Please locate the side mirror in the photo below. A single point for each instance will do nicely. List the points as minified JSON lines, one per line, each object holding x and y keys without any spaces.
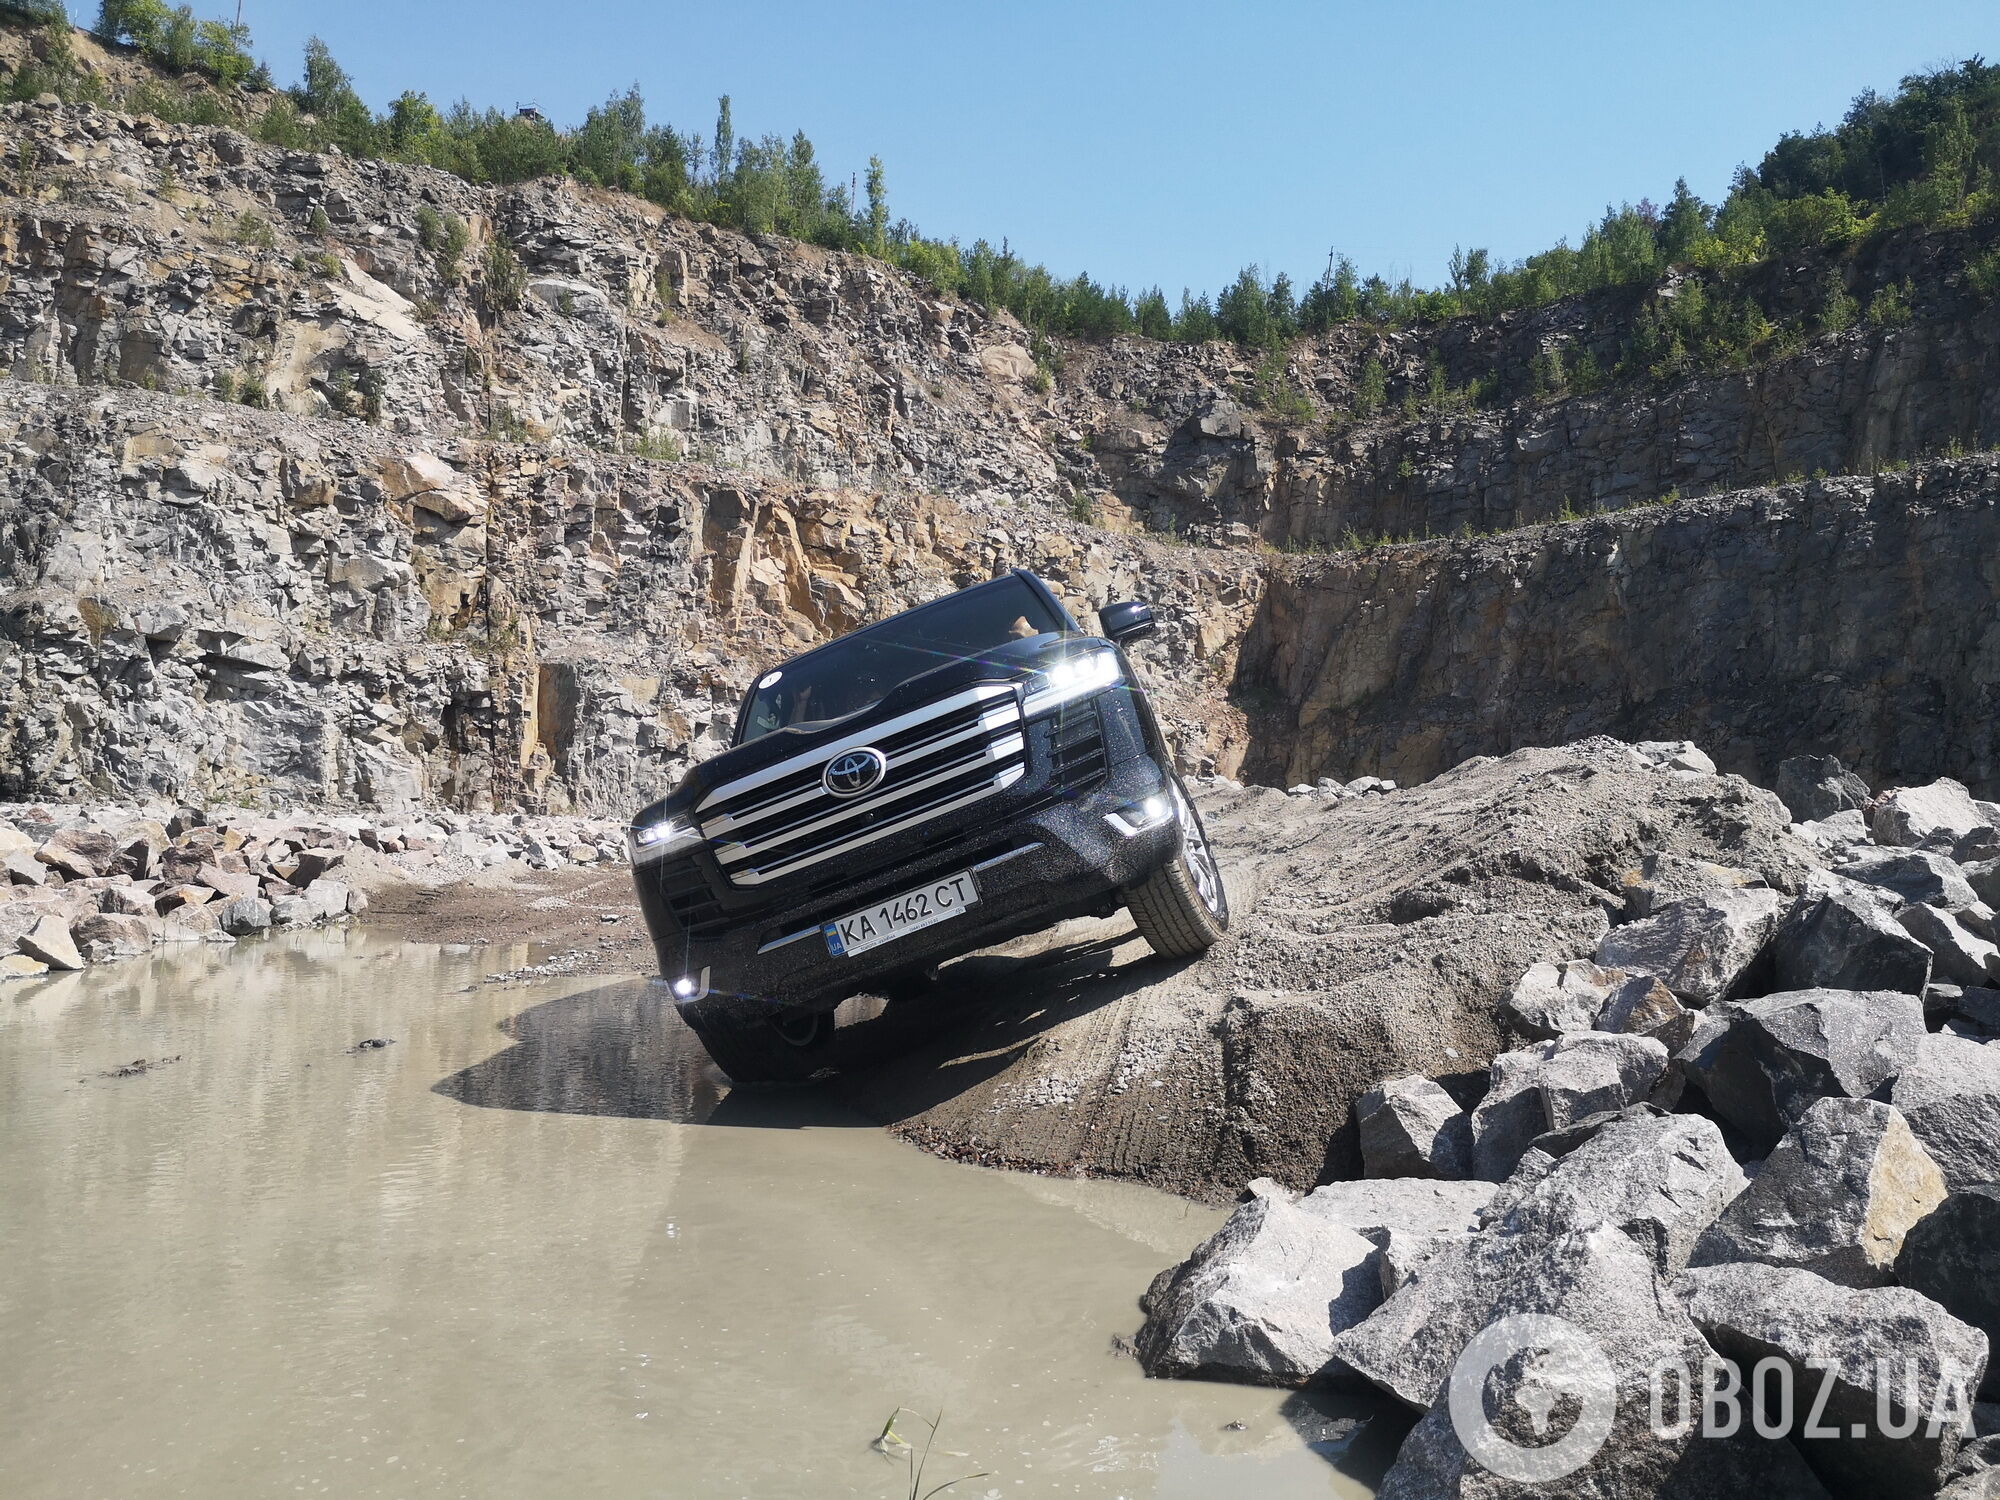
{"x":1126,"y":622}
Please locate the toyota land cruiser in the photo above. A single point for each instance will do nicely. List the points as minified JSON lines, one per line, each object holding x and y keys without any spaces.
{"x":971,"y":770}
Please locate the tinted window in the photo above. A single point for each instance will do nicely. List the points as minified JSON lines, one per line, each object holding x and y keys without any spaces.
{"x":858,"y":671}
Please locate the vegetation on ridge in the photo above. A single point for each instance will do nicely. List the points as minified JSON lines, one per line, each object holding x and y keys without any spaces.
{"x":1925,"y":158}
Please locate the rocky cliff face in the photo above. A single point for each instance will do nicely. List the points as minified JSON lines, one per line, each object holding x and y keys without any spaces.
{"x":304,"y":501}
{"x":207,"y":602}
{"x":1851,"y":616}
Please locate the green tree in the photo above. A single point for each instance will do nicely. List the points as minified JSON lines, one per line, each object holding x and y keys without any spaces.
{"x":724,"y":153}
{"x":878,"y":206}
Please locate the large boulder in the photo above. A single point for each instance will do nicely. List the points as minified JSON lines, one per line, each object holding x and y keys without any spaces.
{"x":1837,"y":837}
{"x":1952,"y":1256}
{"x":1912,"y":875}
{"x":1957,"y":955}
{"x":106,"y":935}
{"x":1410,"y":1127}
{"x":49,"y":942}
{"x":1763,"y":1063}
{"x":1658,"y":1181}
{"x":1700,"y":947}
{"x":1261,"y":1299}
{"x":1554,"y":998}
{"x":1836,"y":1196}
{"x":1373,"y":1207}
{"x":1642,"y":1006}
{"x":1942,"y":817}
{"x":128,"y":901}
{"x":1950,"y":1094}
{"x":1552,"y":1389}
{"x":1552,"y":1084}
{"x":245,"y":916}
{"x":1865,"y":1344}
{"x":1984,"y":878}
{"x":1662,"y":1179}
{"x":1662,"y":879}
{"x":139,"y":845}
{"x":1818,"y":786}
{"x":1840,"y":937}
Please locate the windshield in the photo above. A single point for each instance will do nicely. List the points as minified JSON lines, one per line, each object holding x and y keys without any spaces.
{"x":858,"y":671}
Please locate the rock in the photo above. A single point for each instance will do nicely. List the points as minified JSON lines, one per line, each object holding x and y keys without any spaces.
{"x":127,"y":901}
{"x":1952,"y":1256}
{"x":1969,"y":1010}
{"x":139,"y":845}
{"x":1958,"y":957}
{"x":103,"y":935}
{"x":1938,"y":817}
{"x":1555,"y":1083}
{"x":1839,"y":835}
{"x":1984,"y":878}
{"x":1912,"y":875}
{"x":1841,"y":940}
{"x":1700,"y":947}
{"x":327,"y":898}
{"x":1763,"y":1063}
{"x":1858,"y":1341}
{"x":245,"y":915}
{"x":1260,"y":1299}
{"x":1410,"y":1127}
{"x":1552,"y":999}
{"x":20,"y":966}
{"x":1674,"y":755}
{"x":228,"y":884}
{"x":1819,"y":786}
{"x":1661,"y":1179}
{"x":175,"y":896}
{"x":71,"y":864}
{"x":357,"y":901}
{"x":292,"y":911}
{"x":49,"y":941}
{"x":314,"y":863}
{"x":1663,"y":879}
{"x":1609,"y":1321}
{"x":1406,"y":1347}
{"x":1950,"y":1094}
{"x":1642,"y":1006}
{"x":1372,"y":1207}
{"x":22,"y":868}
{"x":1835,"y":1197}
{"x":194,"y":924}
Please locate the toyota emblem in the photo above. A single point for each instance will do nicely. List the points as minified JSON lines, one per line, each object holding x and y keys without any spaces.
{"x":853,"y":772}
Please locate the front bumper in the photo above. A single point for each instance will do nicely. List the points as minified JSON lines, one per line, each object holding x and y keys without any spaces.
{"x":1032,"y":871}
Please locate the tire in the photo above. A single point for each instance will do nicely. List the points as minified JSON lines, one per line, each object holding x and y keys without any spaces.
{"x":787,"y":1050}
{"x":1182,"y":908}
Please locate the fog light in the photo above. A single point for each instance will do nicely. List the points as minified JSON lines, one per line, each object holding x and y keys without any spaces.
{"x":1137,"y":817}
{"x":685,"y":987}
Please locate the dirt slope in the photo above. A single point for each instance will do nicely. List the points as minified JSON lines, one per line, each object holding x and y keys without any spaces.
{"x":1374,"y":937}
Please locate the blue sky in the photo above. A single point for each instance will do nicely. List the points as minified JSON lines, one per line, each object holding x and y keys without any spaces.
{"x":1168,"y":142}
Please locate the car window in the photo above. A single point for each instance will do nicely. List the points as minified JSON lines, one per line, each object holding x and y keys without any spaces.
{"x":859,"y":670}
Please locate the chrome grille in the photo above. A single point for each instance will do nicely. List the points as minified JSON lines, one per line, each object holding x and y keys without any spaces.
{"x":941,"y":757}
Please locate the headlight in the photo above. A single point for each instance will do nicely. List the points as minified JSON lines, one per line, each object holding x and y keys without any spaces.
{"x":1072,"y":678}
{"x":655,"y":840}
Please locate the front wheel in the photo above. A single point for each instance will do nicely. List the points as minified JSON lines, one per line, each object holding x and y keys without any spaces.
{"x":1181,"y":909}
{"x":788,"y":1048}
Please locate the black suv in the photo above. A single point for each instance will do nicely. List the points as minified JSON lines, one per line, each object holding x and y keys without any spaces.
{"x":957,"y":775}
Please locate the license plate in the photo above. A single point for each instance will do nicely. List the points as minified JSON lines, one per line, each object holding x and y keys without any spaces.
{"x":926,"y":906}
